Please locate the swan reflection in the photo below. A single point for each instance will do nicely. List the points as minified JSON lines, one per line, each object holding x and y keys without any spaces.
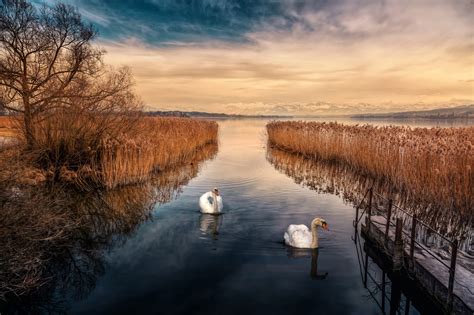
{"x":297,"y":253}
{"x":210,"y":224}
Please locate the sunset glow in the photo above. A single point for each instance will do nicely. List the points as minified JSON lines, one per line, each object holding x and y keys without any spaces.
{"x":292,"y":57}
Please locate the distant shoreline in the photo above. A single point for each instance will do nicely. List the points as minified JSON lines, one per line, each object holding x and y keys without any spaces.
{"x":331,"y":117}
{"x":194,"y":114}
{"x":458,"y":112}
{"x":449,"y":113}
{"x":394,"y":117}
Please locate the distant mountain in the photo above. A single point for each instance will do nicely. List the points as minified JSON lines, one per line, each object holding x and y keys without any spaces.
{"x":464,"y":111}
{"x":208,"y":115}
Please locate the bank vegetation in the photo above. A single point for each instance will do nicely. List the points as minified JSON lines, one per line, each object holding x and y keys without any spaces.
{"x":430,"y":167}
{"x":75,"y":132}
{"x":76,"y":119}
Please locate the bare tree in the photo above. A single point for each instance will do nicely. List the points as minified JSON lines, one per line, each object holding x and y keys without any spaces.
{"x":47,"y":62}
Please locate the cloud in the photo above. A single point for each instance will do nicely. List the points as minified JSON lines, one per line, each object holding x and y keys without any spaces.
{"x":293,"y":55}
{"x":95,"y":18}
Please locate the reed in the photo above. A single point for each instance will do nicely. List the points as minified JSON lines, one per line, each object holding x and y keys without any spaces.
{"x":433,"y":167}
{"x":159,"y":144}
{"x":109,"y":151}
{"x":8,"y":126}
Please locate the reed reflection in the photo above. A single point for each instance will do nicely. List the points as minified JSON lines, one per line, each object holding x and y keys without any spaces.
{"x":69,"y":233}
{"x":324,"y":178}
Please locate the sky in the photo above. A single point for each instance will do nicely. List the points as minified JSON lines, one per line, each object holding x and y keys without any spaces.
{"x":314,"y":57}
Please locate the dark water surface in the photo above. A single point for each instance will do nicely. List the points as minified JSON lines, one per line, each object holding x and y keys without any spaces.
{"x":186,"y":262}
{"x":146,"y":249}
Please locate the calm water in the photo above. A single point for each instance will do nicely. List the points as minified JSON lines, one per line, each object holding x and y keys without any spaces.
{"x":183,"y":261}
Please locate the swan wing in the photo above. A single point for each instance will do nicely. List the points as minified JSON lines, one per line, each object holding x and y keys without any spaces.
{"x":204,"y":203}
{"x":298,"y":235}
{"x":208,"y":206}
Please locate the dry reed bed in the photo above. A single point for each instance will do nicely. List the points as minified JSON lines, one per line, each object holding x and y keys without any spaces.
{"x":433,"y":167}
{"x":8,"y":126}
{"x":87,"y":150}
{"x":160,"y":143}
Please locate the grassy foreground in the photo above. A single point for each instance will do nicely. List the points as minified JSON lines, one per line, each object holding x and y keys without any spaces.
{"x":433,"y":166}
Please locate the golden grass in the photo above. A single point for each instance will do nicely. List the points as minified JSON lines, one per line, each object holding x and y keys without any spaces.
{"x":432,"y":166}
{"x":8,"y":126}
{"x":115,"y":150}
{"x":160,"y":143}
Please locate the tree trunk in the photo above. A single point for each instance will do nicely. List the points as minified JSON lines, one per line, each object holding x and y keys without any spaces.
{"x":28,"y":123}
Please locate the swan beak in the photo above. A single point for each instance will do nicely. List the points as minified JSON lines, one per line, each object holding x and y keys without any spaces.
{"x":326,"y":227}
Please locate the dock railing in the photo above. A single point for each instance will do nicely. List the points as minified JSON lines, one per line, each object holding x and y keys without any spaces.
{"x":409,"y":233}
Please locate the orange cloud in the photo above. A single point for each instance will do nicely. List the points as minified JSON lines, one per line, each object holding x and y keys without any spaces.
{"x":393,"y":54}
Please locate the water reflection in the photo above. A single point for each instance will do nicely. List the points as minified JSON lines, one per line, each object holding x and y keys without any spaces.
{"x":390,"y":291}
{"x":334,"y":178}
{"x":165,"y":267}
{"x":321,"y":177}
{"x":210,"y":224}
{"x":296,"y":253}
{"x":72,"y":258}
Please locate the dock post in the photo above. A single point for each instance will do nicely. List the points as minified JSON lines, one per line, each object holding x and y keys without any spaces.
{"x":389,"y":215}
{"x":407,"y":307}
{"x":383,"y":292}
{"x":395,"y":296}
{"x":357,"y":217}
{"x":369,"y":209}
{"x":398,"y":248}
{"x":355,"y":224}
{"x":412,"y":242}
{"x":452,"y":270}
{"x":366,"y":269}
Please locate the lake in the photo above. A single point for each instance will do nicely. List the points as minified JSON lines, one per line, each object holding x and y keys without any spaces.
{"x":178,"y":260}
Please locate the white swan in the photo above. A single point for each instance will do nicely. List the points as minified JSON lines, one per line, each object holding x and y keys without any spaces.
{"x":214,"y":207}
{"x":299,"y":236}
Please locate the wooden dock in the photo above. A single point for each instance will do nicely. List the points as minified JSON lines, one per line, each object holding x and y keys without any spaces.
{"x":447,"y":280}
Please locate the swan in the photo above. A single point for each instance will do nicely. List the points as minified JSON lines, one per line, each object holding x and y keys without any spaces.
{"x":214,"y":207}
{"x":299,"y":236}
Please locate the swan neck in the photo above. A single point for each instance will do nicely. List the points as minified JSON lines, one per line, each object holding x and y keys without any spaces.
{"x":314,"y":239}
{"x":214,"y":203}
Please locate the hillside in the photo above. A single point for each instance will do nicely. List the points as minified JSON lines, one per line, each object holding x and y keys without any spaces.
{"x":464,"y":111}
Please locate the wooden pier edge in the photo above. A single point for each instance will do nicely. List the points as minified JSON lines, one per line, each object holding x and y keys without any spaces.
{"x":403,"y":262}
